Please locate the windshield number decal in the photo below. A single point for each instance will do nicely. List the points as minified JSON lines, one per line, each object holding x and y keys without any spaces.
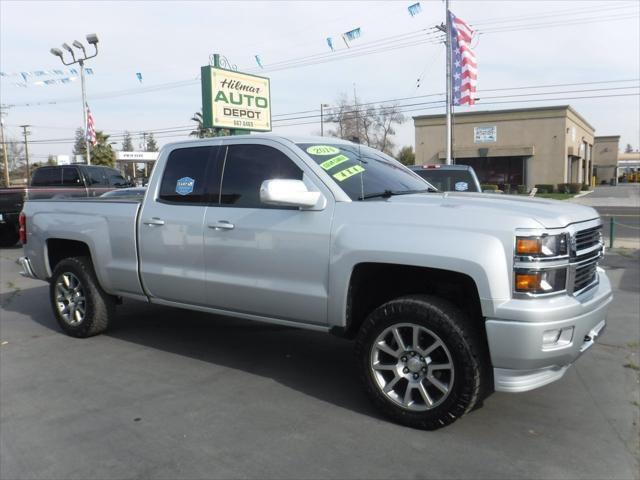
{"x":184,"y":185}
{"x":461,"y":186}
{"x":322,"y":150}
{"x":348,"y":172}
{"x":332,"y":162}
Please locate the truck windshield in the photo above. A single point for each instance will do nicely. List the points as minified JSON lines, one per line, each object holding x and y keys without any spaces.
{"x":363,"y":172}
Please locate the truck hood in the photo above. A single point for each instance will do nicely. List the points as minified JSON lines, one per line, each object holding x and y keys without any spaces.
{"x":548,"y":213}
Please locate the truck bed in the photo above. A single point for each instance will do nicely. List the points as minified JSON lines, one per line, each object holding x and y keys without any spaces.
{"x":106,"y":225}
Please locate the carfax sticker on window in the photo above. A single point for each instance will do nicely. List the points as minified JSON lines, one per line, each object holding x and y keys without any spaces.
{"x":184,"y":185}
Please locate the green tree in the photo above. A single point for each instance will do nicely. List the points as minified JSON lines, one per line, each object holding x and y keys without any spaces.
{"x":51,"y":160}
{"x":202,"y":132}
{"x":151,"y":146}
{"x":406,"y":156}
{"x":102,"y":153}
{"x":628,"y":148}
{"x":80,"y":144}
{"x":127,"y":143}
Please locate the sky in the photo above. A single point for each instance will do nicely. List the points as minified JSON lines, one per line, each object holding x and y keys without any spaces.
{"x":519,"y":44}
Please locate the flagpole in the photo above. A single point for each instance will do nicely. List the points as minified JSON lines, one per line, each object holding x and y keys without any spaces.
{"x":449,"y":102}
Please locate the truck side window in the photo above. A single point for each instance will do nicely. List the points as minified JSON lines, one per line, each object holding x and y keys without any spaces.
{"x":185,"y":176}
{"x":70,"y":177}
{"x":246,"y":167}
{"x":47,"y":177}
{"x":96,"y":177}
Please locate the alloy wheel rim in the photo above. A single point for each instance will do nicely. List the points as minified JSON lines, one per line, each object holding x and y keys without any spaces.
{"x":412,"y":366}
{"x":70,"y":299}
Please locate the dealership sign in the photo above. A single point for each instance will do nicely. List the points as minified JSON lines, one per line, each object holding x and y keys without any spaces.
{"x":235,"y":100}
{"x":485,"y":134}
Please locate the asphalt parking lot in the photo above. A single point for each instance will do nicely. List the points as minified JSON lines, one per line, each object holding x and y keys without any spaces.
{"x":176,"y":394}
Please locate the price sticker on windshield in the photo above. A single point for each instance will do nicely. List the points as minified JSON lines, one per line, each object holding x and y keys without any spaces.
{"x":348,"y":172}
{"x":323,"y":150}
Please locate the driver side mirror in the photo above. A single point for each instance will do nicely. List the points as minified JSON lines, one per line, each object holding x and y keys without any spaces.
{"x":289,"y":193}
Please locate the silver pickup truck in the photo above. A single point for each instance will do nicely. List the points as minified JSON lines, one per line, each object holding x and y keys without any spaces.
{"x":449,"y":296}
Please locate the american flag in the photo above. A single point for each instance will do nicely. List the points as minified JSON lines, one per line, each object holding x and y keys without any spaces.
{"x":91,"y":128}
{"x":464,"y":69}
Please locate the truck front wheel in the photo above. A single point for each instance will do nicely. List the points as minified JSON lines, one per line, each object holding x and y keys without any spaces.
{"x":420,"y":361}
{"x":80,"y":305}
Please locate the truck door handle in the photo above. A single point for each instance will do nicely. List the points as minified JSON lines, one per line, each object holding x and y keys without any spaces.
{"x":155,"y":221}
{"x":222,"y":225}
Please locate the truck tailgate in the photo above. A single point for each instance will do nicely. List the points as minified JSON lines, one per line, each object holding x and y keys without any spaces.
{"x":106,"y":226}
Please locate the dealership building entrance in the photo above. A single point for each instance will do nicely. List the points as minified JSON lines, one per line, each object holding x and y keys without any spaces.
{"x":546,"y":145}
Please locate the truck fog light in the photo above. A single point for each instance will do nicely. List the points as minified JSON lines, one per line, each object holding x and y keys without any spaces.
{"x":558,"y":337}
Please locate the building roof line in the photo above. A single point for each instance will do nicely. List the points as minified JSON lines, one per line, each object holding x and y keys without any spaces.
{"x":510,"y":110}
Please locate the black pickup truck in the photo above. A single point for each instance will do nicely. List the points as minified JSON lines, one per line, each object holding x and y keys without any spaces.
{"x":62,"y":181}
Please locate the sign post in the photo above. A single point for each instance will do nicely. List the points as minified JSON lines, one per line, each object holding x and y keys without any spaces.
{"x":235,"y":100}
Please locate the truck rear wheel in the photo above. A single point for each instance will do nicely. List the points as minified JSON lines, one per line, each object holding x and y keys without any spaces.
{"x":420,"y":361}
{"x":80,"y":305}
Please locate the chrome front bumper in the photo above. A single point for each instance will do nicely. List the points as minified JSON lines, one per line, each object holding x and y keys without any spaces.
{"x":27,"y":270}
{"x":520,"y":358}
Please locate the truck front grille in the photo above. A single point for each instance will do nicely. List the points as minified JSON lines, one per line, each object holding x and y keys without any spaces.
{"x":586,"y":252}
{"x":585,"y":276}
{"x":588,"y":238}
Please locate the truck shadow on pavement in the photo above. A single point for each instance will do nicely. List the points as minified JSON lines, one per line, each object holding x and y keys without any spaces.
{"x":313,"y":363}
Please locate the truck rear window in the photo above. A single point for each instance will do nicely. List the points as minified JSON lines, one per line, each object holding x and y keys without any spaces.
{"x":449,"y":180}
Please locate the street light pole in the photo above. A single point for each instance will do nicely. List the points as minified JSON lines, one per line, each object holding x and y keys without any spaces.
{"x":84,"y":112}
{"x":92,"y":39}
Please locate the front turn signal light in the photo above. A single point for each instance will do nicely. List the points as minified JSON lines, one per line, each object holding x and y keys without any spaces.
{"x":545,"y":281}
{"x":528,"y":245}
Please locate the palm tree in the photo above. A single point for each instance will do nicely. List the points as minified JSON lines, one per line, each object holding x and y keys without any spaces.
{"x":203,"y":132}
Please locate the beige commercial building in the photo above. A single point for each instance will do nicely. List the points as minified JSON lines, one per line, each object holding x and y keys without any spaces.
{"x":524,"y":146}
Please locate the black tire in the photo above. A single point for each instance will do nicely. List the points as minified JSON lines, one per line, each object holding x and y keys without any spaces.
{"x":98,"y":306}
{"x":8,"y":236}
{"x":463,"y":345}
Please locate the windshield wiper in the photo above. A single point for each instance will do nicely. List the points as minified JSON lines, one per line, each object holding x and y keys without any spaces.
{"x":391,"y":193}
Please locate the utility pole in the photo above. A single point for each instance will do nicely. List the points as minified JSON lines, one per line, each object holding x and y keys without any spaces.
{"x":7,"y":180}
{"x":355,"y":102}
{"x":144,"y":148}
{"x":26,"y":150}
{"x":322,"y":106}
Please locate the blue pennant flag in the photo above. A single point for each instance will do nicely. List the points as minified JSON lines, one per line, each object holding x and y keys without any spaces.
{"x":414,"y":9}
{"x":88,"y":71}
{"x":352,"y":34}
{"x":139,"y":75}
{"x":330,"y":43}
{"x":258,"y":61}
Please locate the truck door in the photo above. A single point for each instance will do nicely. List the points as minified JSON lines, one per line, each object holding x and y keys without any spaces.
{"x":172,"y":264}
{"x":260,"y":259}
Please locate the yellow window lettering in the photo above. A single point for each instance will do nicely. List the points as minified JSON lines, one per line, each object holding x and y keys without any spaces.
{"x":332,"y":162}
{"x":348,"y":172}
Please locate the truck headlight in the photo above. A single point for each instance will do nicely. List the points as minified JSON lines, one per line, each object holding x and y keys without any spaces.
{"x":541,"y":281}
{"x":543,"y":245}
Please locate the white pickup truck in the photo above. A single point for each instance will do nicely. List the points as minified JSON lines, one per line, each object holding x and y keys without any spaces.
{"x":449,"y":296}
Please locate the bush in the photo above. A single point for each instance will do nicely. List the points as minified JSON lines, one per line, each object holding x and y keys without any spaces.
{"x":522,"y":189}
{"x":575,"y":187}
{"x":586,"y":187}
{"x":507,"y":188}
{"x":548,"y":188}
{"x":489,"y":187}
{"x":563,"y":188}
